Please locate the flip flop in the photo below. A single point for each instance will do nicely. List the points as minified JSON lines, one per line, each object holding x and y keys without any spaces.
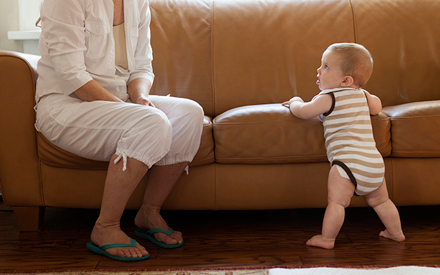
{"x":101,"y":250}
{"x":148,"y":234}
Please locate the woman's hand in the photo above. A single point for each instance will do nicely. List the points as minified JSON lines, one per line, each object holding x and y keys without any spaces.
{"x":138,"y":90}
{"x":143,"y":100}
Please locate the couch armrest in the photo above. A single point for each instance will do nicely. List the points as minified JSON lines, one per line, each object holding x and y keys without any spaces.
{"x":415,"y":129}
{"x":19,"y":163}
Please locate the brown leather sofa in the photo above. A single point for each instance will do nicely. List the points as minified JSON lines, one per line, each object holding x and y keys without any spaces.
{"x":240,"y":59}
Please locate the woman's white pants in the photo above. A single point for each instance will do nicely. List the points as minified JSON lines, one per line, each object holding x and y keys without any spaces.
{"x":167,"y":134}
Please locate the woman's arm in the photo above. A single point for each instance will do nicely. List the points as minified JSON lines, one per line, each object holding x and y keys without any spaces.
{"x":143,"y":52}
{"x":138,"y":90}
{"x":141,"y":79}
{"x":62,"y":32}
{"x":93,"y":91}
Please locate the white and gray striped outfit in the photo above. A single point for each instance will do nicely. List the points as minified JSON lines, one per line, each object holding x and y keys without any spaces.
{"x":349,"y":139}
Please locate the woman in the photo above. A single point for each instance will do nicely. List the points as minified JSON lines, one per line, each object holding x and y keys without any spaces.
{"x":95,"y":74}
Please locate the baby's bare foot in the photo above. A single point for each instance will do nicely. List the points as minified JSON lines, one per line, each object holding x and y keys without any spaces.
{"x":399,"y":237}
{"x":320,"y":241}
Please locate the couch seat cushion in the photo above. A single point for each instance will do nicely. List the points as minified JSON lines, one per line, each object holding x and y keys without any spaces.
{"x":269,"y":133}
{"x":415,"y":129}
{"x":57,"y":157}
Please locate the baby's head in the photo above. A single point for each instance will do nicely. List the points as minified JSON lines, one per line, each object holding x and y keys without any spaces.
{"x":350,"y":65}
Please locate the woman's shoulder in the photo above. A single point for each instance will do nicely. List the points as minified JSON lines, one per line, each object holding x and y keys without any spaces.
{"x":142,"y":3}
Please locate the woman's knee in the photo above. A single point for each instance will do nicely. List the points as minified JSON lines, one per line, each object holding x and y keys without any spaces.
{"x":196,"y":118}
{"x":193,"y":110}
{"x":187,"y":116}
{"x":154,"y":125}
{"x":160,"y":121}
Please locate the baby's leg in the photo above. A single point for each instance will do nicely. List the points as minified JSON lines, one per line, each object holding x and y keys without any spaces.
{"x":387,"y":212}
{"x":340,"y":191}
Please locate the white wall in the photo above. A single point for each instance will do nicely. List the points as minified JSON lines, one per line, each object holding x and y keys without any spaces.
{"x":9,"y":21}
{"x":17,"y":25}
{"x":29,"y":13}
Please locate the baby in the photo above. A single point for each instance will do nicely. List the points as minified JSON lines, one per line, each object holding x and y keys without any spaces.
{"x":357,"y":167}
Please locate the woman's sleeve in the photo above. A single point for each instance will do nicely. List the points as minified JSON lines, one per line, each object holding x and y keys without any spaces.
{"x":62,"y":24}
{"x":144,"y":53}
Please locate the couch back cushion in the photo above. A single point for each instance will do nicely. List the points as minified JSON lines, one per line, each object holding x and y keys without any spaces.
{"x":233,"y":53}
{"x":403,"y":37}
{"x":181,"y":42}
{"x":268,"y":51}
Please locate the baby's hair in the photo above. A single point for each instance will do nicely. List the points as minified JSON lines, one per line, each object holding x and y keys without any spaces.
{"x":357,"y":61}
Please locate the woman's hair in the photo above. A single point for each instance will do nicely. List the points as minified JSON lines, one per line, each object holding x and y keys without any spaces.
{"x":356,"y":61}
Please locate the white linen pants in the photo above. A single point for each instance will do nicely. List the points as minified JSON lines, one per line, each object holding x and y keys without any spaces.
{"x":167,"y":134}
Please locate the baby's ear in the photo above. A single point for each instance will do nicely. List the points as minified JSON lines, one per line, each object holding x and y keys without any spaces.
{"x":347,"y":81}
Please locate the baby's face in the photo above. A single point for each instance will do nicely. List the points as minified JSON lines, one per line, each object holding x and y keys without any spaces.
{"x":330,"y":73}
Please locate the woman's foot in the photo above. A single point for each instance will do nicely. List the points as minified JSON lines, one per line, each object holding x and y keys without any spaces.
{"x":399,"y":237}
{"x":112,"y":234}
{"x":320,"y":241}
{"x":151,"y":219}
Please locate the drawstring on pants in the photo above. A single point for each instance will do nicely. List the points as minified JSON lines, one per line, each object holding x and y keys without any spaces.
{"x":124,"y":161}
{"x":123,"y":156}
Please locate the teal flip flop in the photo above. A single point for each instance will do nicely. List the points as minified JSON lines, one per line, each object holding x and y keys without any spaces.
{"x":148,"y":234}
{"x":101,"y":250}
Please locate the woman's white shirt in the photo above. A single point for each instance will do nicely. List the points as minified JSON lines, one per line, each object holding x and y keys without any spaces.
{"x":77,"y":45}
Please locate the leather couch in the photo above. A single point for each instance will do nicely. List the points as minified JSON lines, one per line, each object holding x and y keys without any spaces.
{"x":240,"y":59}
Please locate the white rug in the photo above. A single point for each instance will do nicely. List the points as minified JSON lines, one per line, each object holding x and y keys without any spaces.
{"x":401,"y":270}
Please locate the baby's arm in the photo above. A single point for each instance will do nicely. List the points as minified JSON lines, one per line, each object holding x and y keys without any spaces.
{"x":307,"y":110}
{"x":374,"y":103}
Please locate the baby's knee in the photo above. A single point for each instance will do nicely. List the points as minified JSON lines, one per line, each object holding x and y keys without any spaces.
{"x":376,"y":201}
{"x":339,"y":199}
{"x":378,"y":196}
{"x":343,"y":203}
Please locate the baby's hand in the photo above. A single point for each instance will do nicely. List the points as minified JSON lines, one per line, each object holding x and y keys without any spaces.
{"x":293,"y":99}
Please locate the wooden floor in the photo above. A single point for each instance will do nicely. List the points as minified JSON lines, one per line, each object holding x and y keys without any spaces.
{"x":226,"y":239}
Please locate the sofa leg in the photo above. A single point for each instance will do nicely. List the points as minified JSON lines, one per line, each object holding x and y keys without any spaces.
{"x":29,"y":218}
